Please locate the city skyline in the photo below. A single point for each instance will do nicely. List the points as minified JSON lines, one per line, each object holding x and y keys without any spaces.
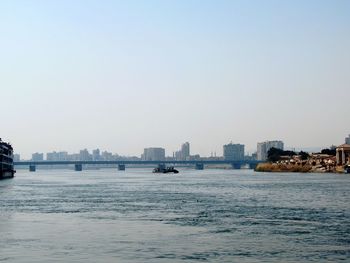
{"x":169,"y":152}
{"x":127,"y":75}
{"x":184,"y":153}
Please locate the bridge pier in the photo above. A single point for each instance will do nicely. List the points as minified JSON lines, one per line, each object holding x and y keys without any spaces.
{"x":236,"y":166}
{"x":199,"y":166}
{"x":252,"y":166}
{"x":121,"y":167}
{"x":32,"y":168}
{"x":78,"y":167}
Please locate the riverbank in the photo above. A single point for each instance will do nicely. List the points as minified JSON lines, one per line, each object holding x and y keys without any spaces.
{"x":297,"y":168}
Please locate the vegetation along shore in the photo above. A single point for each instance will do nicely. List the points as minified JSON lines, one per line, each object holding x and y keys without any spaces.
{"x":302,"y":162}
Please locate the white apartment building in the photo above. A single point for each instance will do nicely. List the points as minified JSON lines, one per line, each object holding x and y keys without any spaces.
{"x":264,"y":147}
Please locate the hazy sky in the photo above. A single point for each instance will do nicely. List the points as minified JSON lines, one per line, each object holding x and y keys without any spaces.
{"x":124,"y":75}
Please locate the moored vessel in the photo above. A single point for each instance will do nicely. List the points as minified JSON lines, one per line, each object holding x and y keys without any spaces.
{"x":163,"y":169}
{"x":6,"y":160}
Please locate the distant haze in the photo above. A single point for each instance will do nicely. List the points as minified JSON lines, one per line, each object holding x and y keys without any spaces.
{"x":124,"y":75}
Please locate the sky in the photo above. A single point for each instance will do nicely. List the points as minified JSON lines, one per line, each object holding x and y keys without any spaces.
{"x":124,"y":75}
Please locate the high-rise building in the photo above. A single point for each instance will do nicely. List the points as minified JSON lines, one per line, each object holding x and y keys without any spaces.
{"x":184,"y":153}
{"x":37,"y":157}
{"x":347,"y":140}
{"x":96,"y":155}
{"x":153,"y":154}
{"x":264,"y":147}
{"x":233,"y":152}
{"x":185,"y":150}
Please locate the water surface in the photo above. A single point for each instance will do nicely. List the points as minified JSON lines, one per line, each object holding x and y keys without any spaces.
{"x":195,"y":216}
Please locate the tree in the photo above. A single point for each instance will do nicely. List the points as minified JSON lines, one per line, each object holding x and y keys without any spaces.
{"x":329,"y":151}
{"x":303,"y":155}
{"x":274,"y":154}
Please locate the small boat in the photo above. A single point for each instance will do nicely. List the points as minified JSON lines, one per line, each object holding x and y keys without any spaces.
{"x":164,"y":170}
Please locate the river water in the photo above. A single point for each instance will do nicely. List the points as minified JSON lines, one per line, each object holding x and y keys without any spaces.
{"x":195,"y":216}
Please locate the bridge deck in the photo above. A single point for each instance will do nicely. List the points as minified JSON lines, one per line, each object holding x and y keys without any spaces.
{"x":26,"y":163}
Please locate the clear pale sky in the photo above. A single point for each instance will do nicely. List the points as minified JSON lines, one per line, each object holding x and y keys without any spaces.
{"x":124,"y":75}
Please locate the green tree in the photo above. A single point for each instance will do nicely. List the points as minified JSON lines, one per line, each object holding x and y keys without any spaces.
{"x":329,"y":151}
{"x":304,"y":155}
{"x":274,"y":154}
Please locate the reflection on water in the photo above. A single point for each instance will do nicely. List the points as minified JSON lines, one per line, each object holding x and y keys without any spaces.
{"x":210,"y":215}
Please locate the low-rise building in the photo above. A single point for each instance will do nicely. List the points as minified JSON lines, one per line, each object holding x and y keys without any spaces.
{"x":107,"y":156}
{"x":343,"y":154}
{"x":37,"y":157}
{"x":57,"y":156}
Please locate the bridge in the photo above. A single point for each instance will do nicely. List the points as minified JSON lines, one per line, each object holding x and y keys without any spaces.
{"x":78,"y":165}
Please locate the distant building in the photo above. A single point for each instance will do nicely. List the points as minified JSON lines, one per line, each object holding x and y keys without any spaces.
{"x":52,"y":156}
{"x":37,"y":157}
{"x":63,"y":156}
{"x":264,"y":147}
{"x":16,"y":157}
{"x":185,"y":150}
{"x":233,"y":152}
{"x":84,"y":155}
{"x":74,"y":157}
{"x":250,"y":157}
{"x":184,"y":153}
{"x":254,"y":156}
{"x":96,"y":155}
{"x":107,"y":156}
{"x":57,"y":156}
{"x":347,"y":140}
{"x":195,"y":157}
{"x":153,"y":154}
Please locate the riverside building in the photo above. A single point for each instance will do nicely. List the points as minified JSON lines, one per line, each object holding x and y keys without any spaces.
{"x":153,"y":154}
{"x":343,"y":152}
{"x":96,"y":156}
{"x":233,"y":152}
{"x":264,"y":147}
{"x":37,"y":157}
{"x":184,"y":153}
{"x":57,"y":156}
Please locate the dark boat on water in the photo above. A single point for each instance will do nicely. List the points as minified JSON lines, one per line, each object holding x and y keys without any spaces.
{"x":163,"y":169}
{"x":6,"y":160}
